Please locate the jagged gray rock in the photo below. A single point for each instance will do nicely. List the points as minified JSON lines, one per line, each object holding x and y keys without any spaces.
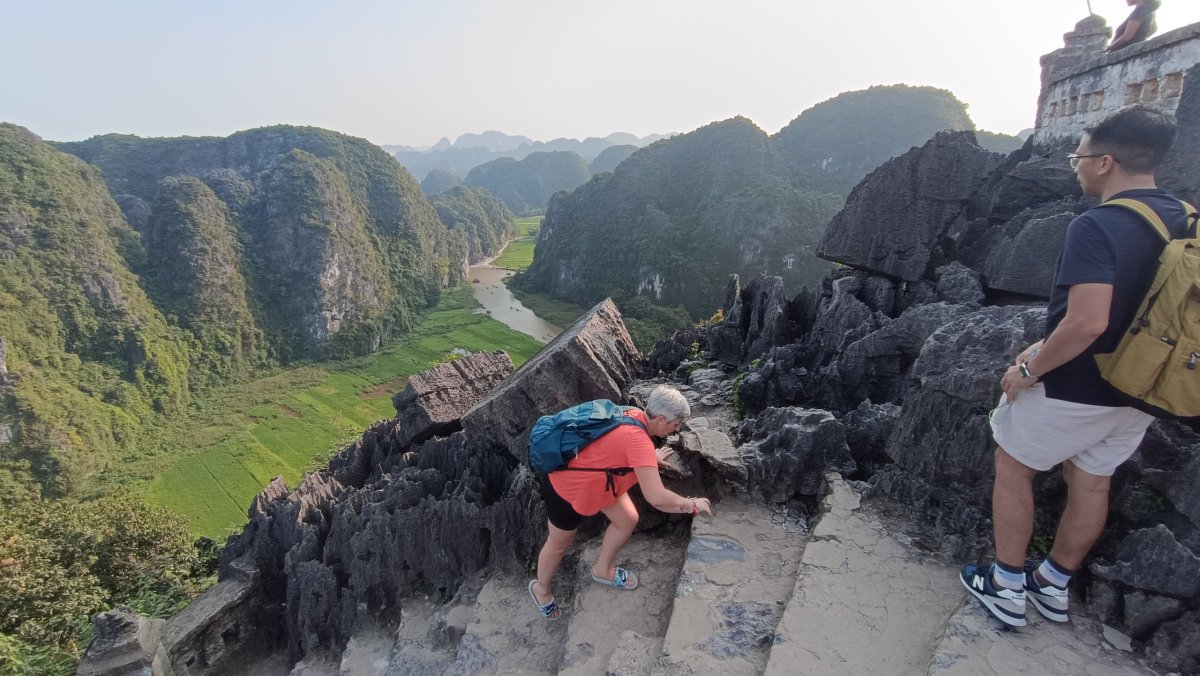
{"x":893,"y":219}
{"x":433,"y":401}
{"x":1151,"y":559}
{"x":594,"y":359}
{"x":1024,"y":252}
{"x":125,"y":643}
{"x":788,"y":450}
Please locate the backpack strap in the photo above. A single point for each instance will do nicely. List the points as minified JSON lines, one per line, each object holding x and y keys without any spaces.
{"x":1148,"y":215}
{"x":610,"y":483}
{"x":1166,"y":264}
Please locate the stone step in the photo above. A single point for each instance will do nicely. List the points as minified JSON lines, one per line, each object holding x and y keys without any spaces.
{"x":606,"y":624}
{"x":737,"y":577}
{"x":864,"y":602}
{"x":506,"y":635}
{"x":976,"y":644}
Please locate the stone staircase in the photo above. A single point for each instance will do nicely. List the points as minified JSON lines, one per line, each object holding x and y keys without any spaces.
{"x":749,"y":590}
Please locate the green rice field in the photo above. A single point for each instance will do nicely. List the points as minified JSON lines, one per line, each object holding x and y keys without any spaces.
{"x":239,"y":439}
{"x":519,"y":253}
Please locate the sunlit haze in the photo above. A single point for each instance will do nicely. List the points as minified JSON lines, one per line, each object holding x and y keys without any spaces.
{"x":412,"y":72}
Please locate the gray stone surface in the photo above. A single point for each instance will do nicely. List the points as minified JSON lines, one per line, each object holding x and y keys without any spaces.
{"x":594,"y":359}
{"x":893,"y":219}
{"x":976,"y":644}
{"x":1023,"y":256}
{"x":598,"y":616}
{"x":125,"y":644}
{"x":715,"y":449}
{"x":1151,"y":559}
{"x":433,"y":401}
{"x":864,"y":602}
{"x":787,"y":451}
{"x":732,"y":590}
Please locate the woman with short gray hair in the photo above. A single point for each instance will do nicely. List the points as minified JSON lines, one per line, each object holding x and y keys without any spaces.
{"x":571,"y":495}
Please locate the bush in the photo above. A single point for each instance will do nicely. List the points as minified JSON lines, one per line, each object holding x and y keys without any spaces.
{"x":61,"y":563}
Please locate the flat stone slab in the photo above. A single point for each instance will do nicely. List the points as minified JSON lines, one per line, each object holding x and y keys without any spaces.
{"x":738,"y":575}
{"x":718,"y":450}
{"x":864,"y":602}
{"x":599,"y":615}
{"x":976,"y":644}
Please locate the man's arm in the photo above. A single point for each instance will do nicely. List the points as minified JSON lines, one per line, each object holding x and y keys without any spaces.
{"x":1088,"y":306}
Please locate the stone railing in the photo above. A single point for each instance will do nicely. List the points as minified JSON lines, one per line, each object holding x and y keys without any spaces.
{"x":1081,"y":84}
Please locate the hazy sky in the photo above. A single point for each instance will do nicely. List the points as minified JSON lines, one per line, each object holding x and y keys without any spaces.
{"x":411,"y":72}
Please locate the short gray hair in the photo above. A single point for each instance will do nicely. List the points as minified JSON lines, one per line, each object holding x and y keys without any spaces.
{"x":668,"y":402}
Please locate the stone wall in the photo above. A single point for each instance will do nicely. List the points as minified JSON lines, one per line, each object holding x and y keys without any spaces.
{"x":1081,"y":84}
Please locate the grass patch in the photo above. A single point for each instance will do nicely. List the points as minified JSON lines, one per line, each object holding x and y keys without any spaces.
{"x":518,"y":255}
{"x":554,"y":310}
{"x":216,"y":459}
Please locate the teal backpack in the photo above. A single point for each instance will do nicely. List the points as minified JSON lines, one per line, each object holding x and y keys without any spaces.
{"x":556,"y":439}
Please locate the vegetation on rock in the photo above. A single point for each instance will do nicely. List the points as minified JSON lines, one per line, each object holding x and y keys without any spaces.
{"x":482,"y":217}
{"x":526,"y":185}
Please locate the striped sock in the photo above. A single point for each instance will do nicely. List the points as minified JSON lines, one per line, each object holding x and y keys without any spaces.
{"x":1008,"y":577}
{"x":1053,"y":573}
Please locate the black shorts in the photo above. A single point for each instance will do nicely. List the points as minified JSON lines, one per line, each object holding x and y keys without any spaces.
{"x":559,"y":511}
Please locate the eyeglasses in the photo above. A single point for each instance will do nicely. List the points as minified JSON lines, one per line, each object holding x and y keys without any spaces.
{"x":1074,"y":159}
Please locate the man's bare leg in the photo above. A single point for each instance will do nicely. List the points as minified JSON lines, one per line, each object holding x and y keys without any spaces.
{"x":1084,"y":517}
{"x":1012,"y":509}
{"x":623,"y":517}
{"x":551,"y":555}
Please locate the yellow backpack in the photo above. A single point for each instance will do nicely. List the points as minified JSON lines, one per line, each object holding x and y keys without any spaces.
{"x":1157,"y":364}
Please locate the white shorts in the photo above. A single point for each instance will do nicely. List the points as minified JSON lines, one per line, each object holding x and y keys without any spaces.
{"x":1041,"y":432}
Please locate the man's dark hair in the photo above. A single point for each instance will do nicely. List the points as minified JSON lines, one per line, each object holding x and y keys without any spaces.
{"x":1137,"y":137}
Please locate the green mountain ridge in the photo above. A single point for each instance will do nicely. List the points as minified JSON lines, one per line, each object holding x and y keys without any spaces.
{"x":675,"y":218}
{"x":172,"y":265}
{"x":526,"y":185}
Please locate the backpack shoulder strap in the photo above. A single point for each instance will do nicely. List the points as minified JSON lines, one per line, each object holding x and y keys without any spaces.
{"x":1194,"y":217}
{"x":1148,"y":215}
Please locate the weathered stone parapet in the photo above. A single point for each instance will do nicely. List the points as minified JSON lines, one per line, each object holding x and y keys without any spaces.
{"x":1081,"y":84}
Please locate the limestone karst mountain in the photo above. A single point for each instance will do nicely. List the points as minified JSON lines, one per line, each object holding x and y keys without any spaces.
{"x":341,"y":249}
{"x":609,"y":158}
{"x":183,"y":263}
{"x":676,"y":216}
{"x":698,"y":206}
{"x":440,"y":180}
{"x":526,"y":185}
{"x":472,"y":150}
{"x":481,"y":216}
{"x":88,"y":355}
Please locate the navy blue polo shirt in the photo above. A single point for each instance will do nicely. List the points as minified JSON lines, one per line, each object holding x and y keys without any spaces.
{"x":1107,"y":245}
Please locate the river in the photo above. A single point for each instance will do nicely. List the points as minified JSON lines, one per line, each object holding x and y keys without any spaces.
{"x":487,"y":283}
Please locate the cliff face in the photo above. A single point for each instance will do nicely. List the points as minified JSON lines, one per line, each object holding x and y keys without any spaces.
{"x":88,"y":354}
{"x":341,"y":247}
{"x":192,"y":270}
{"x":480,"y":216}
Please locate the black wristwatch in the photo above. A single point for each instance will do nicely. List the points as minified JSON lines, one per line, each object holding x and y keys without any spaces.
{"x":1025,"y":372}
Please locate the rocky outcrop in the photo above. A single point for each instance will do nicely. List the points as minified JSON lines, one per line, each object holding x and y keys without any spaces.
{"x":433,"y":401}
{"x":893,"y":220}
{"x":125,"y":643}
{"x":594,"y":359}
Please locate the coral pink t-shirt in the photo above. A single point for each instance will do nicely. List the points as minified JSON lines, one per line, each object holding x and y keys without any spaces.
{"x":625,"y":446}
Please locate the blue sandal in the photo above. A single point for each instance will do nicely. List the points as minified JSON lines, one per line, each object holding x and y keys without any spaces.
{"x":550,"y":610}
{"x":623,"y":579}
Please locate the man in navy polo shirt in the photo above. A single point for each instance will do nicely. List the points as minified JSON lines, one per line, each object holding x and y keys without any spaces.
{"x":1055,"y":408}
